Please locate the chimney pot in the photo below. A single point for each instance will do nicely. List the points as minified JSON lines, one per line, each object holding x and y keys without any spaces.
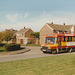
{"x":51,"y":22}
{"x":63,"y":23}
{"x":24,"y":27}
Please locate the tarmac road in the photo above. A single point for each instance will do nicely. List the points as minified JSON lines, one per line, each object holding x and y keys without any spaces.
{"x":35,"y":52}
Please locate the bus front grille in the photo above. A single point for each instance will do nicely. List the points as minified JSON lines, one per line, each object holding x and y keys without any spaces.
{"x":44,"y":47}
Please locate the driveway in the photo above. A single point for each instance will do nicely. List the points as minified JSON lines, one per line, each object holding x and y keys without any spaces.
{"x":35,"y":52}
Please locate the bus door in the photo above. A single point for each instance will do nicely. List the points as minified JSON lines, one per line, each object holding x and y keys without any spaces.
{"x":59,"y":42}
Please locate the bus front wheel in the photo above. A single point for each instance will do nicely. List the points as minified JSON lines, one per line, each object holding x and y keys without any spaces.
{"x":55,"y":51}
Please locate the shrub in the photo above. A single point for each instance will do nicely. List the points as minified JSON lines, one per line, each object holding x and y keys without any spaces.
{"x":2,"y":44}
{"x":30,"y":42}
{"x":11,"y":47}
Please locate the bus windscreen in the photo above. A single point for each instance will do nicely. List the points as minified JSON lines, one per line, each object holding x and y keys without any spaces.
{"x":50,"y":40}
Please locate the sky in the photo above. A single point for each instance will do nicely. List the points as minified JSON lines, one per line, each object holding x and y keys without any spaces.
{"x":34,"y":14}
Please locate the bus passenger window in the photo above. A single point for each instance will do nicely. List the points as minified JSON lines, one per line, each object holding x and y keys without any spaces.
{"x":74,"y":38}
{"x":69,"y":39}
{"x":64,"y":39}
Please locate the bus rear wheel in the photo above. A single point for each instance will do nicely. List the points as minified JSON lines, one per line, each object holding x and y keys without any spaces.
{"x":70,"y":50}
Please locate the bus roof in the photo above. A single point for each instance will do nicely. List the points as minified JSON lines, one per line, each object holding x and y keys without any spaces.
{"x":56,"y":35}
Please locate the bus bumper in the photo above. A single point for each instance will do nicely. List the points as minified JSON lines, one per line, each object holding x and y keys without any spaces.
{"x":45,"y":49}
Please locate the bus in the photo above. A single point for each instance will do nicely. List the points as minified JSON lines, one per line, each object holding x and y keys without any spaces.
{"x":59,"y":43}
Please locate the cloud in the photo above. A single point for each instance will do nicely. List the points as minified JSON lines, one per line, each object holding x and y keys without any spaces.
{"x":12,"y":18}
{"x":26,"y":15}
{"x":44,"y":12}
{"x":36,"y":23}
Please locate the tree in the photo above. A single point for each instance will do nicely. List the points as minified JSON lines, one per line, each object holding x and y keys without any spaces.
{"x":0,"y":37}
{"x":6,"y":35}
{"x":32,"y":34}
{"x":35,"y":34}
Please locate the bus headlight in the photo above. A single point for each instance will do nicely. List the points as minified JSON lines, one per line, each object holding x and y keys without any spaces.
{"x":41,"y":47}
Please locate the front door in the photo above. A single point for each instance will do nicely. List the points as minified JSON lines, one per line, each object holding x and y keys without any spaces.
{"x":59,"y":43}
{"x":21,"y":41}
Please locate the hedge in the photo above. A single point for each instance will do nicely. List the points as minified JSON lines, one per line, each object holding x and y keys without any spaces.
{"x":11,"y":47}
{"x":2,"y":44}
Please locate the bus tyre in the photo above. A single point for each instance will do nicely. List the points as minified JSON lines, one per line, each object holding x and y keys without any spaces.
{"x":54,"y":52}
{"x":44,"y":51}
{"x":70,"y":50}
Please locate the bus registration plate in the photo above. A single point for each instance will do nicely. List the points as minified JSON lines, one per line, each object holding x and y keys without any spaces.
{"x":44,"y":50}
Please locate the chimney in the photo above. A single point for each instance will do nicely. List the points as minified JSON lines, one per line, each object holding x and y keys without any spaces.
{"x":24,"y":27}
{"x":51,"y":22}
{"x":11,"y":29}
{"x":64,"y":24}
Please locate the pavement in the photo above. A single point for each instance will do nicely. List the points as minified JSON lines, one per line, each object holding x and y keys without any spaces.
{"x":35,"y":52}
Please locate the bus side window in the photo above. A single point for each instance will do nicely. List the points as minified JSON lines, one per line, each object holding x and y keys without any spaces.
{"x":74,"y":38}
{"x":69,"y":39}
{"x":64,"y":39}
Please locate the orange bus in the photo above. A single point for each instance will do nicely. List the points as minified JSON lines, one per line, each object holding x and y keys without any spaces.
{"x":59,"y":43}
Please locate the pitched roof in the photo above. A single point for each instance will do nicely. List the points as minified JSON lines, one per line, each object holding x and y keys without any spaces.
{"x":23,"y":30}
{"x":68,"y":26}
{"x":60,"y":27}
{"x":11,"y":30}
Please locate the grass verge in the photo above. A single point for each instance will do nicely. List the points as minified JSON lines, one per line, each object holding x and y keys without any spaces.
{"x":32,"y":45}
{"x":53,"y":65}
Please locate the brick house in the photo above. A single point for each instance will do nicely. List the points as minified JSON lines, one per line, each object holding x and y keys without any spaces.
{"x":23,"y":36}
{"x":50,"y":28}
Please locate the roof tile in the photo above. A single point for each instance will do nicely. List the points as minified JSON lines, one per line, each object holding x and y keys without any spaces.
{"x":60,"y":27}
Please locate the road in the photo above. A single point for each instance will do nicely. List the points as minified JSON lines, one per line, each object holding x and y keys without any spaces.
{"x":35,"y":52}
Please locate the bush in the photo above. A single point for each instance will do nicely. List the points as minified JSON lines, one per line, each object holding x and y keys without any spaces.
{"x":30,"y":42}
{"x":11,"y":47}
{"x":2,"y":44}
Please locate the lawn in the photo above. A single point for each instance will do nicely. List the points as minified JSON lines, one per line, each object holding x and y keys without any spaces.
{"x":52,"y":65}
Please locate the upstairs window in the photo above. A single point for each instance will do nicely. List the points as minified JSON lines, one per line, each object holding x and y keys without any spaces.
{"x":17,"y":34}
{"x":21,"y":33}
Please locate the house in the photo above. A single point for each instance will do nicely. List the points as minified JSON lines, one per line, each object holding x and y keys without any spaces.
{"x":50,"y":28}
{"x":23,"y":36}
{"x":12,"y":31}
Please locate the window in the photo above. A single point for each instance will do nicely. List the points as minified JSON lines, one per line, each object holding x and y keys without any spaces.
{"x":21,"y":33}
{"x":64,"y":39}
{"x":17,"y":34}
{"x":69,"y":39}
{"x":74,"y":38}
{"x":51,"y":40}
